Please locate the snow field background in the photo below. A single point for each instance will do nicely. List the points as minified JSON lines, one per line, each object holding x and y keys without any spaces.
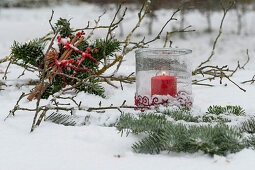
{"x":95,"y":146}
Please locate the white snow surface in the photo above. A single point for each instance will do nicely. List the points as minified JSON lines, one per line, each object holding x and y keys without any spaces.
{"x":96,"y":146}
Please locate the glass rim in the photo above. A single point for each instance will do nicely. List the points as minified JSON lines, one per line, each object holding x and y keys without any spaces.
{"x":165,"y":51}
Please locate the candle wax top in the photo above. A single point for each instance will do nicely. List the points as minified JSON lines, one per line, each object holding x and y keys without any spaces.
{"x":163,"y":77}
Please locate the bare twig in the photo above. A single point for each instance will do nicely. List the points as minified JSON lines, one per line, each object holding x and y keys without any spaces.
{"x":6,"y":70}
{"x":142,"y":43}
{"x":248,"y":59}
{"x":5,"y":59}
{"x":16,"y":107}
{"x":249,"y":81}
{"x":115,"y":107}
{"x":184,"y":30}
{"x":214,"y":71}
{"x":51,"y":17}
{"x":22,"y":74}
{"x":225,"y":11}
{"x":112,"y":26}
{"x":44,"y":74}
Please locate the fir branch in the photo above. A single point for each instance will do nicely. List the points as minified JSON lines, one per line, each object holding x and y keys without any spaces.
{"x":63,"y":25}
{"x":219,"y":113}
{"x":164,"y":135}
{"x":248,"y":126}
{"x":236,"y":110}
{"x":28,"y":53}
{"x":66,"y":120}
{"x":151,"y":144}
{"x":145,"y":123}
{"x":250,"y":142}
{"x":181,"y":114}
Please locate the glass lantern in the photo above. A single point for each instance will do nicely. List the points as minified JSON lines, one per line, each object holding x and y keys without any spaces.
{"x":163,"y":76}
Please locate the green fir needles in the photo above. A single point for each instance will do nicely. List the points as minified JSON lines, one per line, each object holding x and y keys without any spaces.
{"x":177,"y":130}
{"x":32,"y":54}
{"x":67,"y":120}
{"x":236,"y":110}
{"x":28,"y":53}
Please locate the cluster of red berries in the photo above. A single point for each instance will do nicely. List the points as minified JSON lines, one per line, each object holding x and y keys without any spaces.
{"x":68,"y":45}
{"x":80,"y":33}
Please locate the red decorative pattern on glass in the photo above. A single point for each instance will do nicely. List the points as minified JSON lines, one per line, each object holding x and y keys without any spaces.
{"x":183,"y":99}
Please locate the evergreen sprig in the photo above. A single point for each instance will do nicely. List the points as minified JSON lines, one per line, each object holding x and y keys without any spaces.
{"x":219,"y":139}
{"x":151,"y":144}
{"x":248,"y":126}
{"x":67,"y":120}
{"x":64,"y":26}
{"x":221,"y":114}
{"x":164,"y":134}
{"x":217,"y":110}
{"x":32,"y":53}
{"x":250,"y":142}
{"x":28,"y":53}
{"x":143,"y":123}
{"x":181,"y":114}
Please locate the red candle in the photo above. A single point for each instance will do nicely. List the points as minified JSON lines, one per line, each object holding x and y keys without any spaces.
{"x":164,"y":85}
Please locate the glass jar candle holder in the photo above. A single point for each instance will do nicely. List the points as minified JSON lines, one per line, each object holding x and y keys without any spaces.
{"x":163,"y":76}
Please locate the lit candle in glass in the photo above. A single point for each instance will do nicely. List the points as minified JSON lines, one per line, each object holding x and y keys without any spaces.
{"x":164,"y":85}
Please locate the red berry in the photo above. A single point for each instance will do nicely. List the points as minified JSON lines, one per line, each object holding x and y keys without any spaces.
{"x":78,"y":34}
{"x":66,"y":47}
{"x":77,"y":62}
{"x":83,"y":55}
{"x":86,"y":52}
{"x":59,"y":39}
{"x":79,"y":58}
{"x":88,"y":55}
{"x":72,"y":60}
{"x":88,"y":49}
{"x":96,"y":50}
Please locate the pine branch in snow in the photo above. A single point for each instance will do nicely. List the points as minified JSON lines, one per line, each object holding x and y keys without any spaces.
{"x":66,"y":120}
{"x":161,"y":132}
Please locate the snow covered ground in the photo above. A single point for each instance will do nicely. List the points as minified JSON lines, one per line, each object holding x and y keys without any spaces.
{"x":95,"y":146}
